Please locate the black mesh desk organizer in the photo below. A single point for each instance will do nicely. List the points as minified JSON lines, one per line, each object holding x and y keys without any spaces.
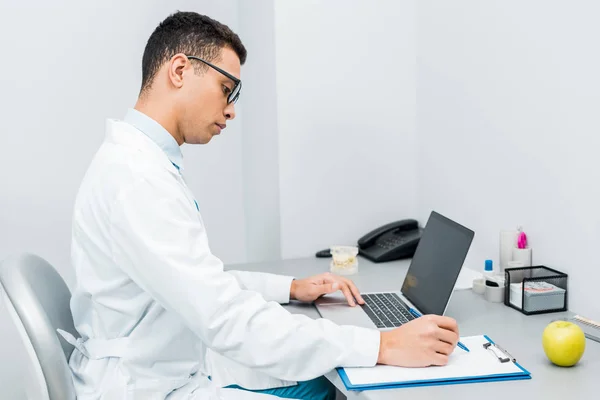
{"x":535,"y":290}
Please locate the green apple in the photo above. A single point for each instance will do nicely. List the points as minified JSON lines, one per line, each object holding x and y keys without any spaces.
{"x":564,"y":343}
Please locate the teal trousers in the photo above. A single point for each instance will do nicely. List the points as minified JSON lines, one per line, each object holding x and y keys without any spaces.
{"x":316,"y":389}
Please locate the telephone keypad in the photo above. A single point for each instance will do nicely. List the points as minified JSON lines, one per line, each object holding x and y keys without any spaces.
{"x":391,"y":242}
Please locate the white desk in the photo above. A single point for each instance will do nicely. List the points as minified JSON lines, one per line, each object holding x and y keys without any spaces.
{"x":518,"y":333}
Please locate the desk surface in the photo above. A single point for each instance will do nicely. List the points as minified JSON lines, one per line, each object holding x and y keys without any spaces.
{"x":518,"y":333}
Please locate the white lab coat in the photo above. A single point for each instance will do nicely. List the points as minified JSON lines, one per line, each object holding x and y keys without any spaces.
{"x":151,"y":301}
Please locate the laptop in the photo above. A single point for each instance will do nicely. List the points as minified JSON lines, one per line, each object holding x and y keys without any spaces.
{"x":427,"y":287}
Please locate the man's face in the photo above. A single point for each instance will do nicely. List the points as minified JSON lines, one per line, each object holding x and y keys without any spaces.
{"x":204,"y":107}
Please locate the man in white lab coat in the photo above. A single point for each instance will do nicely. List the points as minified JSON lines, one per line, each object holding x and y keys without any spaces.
{"x":158,"y":316}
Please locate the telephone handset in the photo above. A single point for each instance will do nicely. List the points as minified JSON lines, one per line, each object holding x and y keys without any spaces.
{"x":389,"y":242}
{"x":398,"y":226}
{"x":392,"y":241}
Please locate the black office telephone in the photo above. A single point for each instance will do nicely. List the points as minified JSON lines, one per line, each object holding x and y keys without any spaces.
{"x":392,"y":241}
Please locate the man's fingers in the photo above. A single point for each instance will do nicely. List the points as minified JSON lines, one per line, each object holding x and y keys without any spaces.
{"x":443,"y":348}
{"x":331,"y":287}
{"x":439,"y":359}
{"x":345,"y":285}
{"x":355,"y":291}
{"x":348,"y":294}
{"x":445,"y":322}
{"x":447,"y":336}
{"x":324,"y":288}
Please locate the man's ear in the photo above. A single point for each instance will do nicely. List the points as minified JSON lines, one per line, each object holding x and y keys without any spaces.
{"x":176,"y":67}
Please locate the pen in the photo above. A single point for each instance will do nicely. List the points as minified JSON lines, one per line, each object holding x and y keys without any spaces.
{"x":418,"y":314}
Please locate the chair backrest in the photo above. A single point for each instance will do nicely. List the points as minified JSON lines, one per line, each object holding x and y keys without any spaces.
{"x":40,"y":298}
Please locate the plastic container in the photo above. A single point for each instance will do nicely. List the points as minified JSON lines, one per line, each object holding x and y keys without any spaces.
{"x":515,"y":264}
{"x":479,"y":286}
{"x":523,"y":255}
{"x":494,"y":294}
{"x":344,"y":261}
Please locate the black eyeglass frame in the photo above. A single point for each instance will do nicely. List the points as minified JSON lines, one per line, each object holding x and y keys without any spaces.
{"x":237,"y":84}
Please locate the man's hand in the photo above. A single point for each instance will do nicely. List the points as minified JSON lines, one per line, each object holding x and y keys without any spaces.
{"x":422,"y":342}
{"x":312,"y":288}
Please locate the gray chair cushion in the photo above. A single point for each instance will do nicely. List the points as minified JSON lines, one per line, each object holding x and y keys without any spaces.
{"x":41,"y":299}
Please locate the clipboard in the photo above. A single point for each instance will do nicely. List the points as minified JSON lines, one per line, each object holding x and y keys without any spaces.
{"x":486,"y":362}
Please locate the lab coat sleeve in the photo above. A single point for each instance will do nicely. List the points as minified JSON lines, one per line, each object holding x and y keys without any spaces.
{"x":159,"y":240}
{"x":272,"y":287}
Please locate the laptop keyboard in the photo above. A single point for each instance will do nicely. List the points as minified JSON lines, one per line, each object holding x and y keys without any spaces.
{"x":386,"y":310}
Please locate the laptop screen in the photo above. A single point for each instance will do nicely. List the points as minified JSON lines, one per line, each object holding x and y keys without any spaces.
{"x":436,"y":264}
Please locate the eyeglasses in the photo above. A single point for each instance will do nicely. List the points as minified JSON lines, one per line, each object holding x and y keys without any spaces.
{"x":237,"y":84}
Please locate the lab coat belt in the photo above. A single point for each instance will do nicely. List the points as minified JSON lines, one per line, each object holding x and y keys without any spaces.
{"x":96,"y":348}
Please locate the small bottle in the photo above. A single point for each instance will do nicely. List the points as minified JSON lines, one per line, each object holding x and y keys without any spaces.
{"x":488,"y":272}
{"x":489,"y":275}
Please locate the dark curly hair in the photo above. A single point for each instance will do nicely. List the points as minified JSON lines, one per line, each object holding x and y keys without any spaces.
{"x":189,"y":33}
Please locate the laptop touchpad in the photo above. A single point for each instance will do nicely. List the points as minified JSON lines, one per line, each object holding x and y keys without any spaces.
{"x":334,"y":298}
{"x":343,"y":314}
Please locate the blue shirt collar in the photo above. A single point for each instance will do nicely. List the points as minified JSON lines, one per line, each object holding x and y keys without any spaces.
{"x":158,"y":134}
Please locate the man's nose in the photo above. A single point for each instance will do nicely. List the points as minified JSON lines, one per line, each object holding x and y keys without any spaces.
{"x":230,"y":111}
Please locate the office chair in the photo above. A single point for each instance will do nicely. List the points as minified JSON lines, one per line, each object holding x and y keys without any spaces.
{"x":38,"y":299}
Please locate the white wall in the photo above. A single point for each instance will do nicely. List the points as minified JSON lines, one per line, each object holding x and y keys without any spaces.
{"x":67,"y":66}
{"x":73,"y":66}
{"x":346,"y":117}
{"x":260,"y":135}
{"x":508,"y":100}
